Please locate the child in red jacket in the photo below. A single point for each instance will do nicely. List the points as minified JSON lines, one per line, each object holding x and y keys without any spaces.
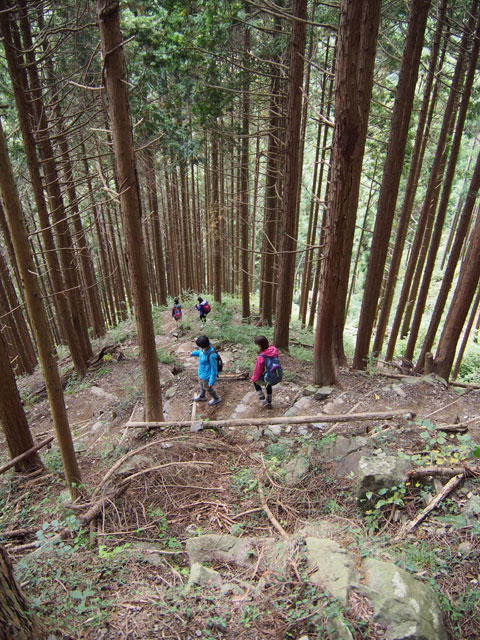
{"x":264,"y":350}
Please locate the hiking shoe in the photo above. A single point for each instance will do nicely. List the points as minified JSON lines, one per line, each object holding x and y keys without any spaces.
{"x":261,"y":399}
{"x":266,"y":404}
{"x":213,"y":401}
{"x":200,"y":399}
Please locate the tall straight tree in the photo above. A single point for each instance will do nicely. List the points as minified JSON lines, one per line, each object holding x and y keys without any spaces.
{"x":416,"y":161}
{"x":292,"y":177}
{"x":458,"y":243}
{"x":36,"y":311}
{"x":462,"y":299}
{"x":12,"y":416}
{"x":108,"y":13}
{"x":358,"y":26}
{"x":244,"y":194}
{"x":392,"y":173}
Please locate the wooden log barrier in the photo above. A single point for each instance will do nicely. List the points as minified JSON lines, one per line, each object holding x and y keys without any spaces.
{"x":288,"y":420}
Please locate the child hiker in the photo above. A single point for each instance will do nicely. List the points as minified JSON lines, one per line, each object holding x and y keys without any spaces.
{"x":203,"y":307}
{"x":176,"y":310}
{"x":207,"y":370}
{"x":267,"y":370}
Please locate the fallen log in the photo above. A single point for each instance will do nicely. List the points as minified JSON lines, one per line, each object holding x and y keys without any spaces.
{"x":246,"y":422}
{"x":445,"y":472}
{"x":408,"y":527}
{"x":25,"y":454}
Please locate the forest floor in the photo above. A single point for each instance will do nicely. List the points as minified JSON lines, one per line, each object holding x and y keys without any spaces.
{"x":125,"y":577}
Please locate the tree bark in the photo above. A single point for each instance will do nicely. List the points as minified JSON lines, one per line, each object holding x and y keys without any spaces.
{"x":16,"y":621}
{"x":115,"y":82}
{"x":425,"y":221}
{"x":462,"y":299}
{"x":444,"y":199}
{"x":391,"y":176}
{"x":46,"y":351}
{"x":411,"y":186}
{"x":13,"y":418}
{"x":19,"y":83}
{"x":292,"y":177}
{"x":358,"y":28}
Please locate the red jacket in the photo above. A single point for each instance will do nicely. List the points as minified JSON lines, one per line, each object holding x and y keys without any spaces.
{"x":260,"y":362}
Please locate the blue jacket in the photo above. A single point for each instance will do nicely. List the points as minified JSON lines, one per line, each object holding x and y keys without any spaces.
{"x":207,"y":364}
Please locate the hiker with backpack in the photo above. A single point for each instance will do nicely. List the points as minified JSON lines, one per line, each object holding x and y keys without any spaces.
{"x":176,"y":310}
{"x":204,"y":308}
{"x":209,"y":364}
{"x":268,"y":370}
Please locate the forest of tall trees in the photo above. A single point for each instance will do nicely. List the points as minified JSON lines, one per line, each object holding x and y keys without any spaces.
{"x":317,"y":159}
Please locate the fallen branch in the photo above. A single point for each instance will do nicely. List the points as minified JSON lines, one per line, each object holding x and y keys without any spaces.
{"x":270,"y":515}
{"x":447,"y":489}
{"x":25,"y":454}
{"x":445,"y":472}
{"x":452,"y":383}
{"x":245,"y":422}
{"x":85,"y":519}
{"x":122,"y":460}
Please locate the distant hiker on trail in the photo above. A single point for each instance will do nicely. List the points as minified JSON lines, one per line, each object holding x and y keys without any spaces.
{"x":176,"y":310}
{"x":203,"y":307}
{"x":267,"y":370}
{"x":207,"y":370}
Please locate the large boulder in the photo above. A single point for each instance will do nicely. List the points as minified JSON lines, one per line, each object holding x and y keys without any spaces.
{"x":298,"y":467}
{"x":221,"y":548}
{"x":379,"y":472}
{"x":408,"y":608}
{"x":335,"y":567}
{"x":203,"y":576}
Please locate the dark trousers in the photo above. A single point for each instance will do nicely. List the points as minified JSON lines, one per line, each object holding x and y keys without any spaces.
{"x":268,"y":389}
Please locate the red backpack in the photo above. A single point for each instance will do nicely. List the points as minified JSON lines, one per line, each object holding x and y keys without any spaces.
{"x":206,"y":307}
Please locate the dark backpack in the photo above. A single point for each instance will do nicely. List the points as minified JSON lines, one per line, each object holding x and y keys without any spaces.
{"x":219,"y":361}
{"x":206,"y":307}
{"x":273,"y":370}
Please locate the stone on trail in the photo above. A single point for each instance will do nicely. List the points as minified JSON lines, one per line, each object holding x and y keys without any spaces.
{"x":335,"y":567}
{"x":471,"y":510}
{"x":220,"y":548}
{"x":135,"y":463}
{"x":298,"y":467}
{"x":203,"y":576}
{"x":346,"y":453}
{"x":323,"y":392}
{"x":104,"y":395}
{"x":408,"y":608}
{"x":310,"y":390}
{"x":300,"y":407}
{"x":378,"y":472}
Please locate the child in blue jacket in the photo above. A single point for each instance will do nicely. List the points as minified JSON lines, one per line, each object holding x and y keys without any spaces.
{"x":207,"y":370}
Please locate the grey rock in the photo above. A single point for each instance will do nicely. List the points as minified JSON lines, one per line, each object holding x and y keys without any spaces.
{"x":98,"y":426}
{"x":319,"y":425}
{"x":408,"y":608}
{"x":323,"y":392}
{"x":346,"y":453}
{"x":276,"y":429}
{"x":135,"y":463}
{"x":335,"y":567}
{"x":331,"y":408}
{"x":399,"y":391}
{"x":310,"y":390}
{"x":170,"y":393}
{"x":297,"y":468}
{"x":378,"y":472}
{"x":203,"y":576}
{"x":471,"y":510}
{"x":464,"y":548}
{"x":338,"y":629}
{"x":220,"y":548}
{"x":105,"y":395}
{"x":302,"y":430}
